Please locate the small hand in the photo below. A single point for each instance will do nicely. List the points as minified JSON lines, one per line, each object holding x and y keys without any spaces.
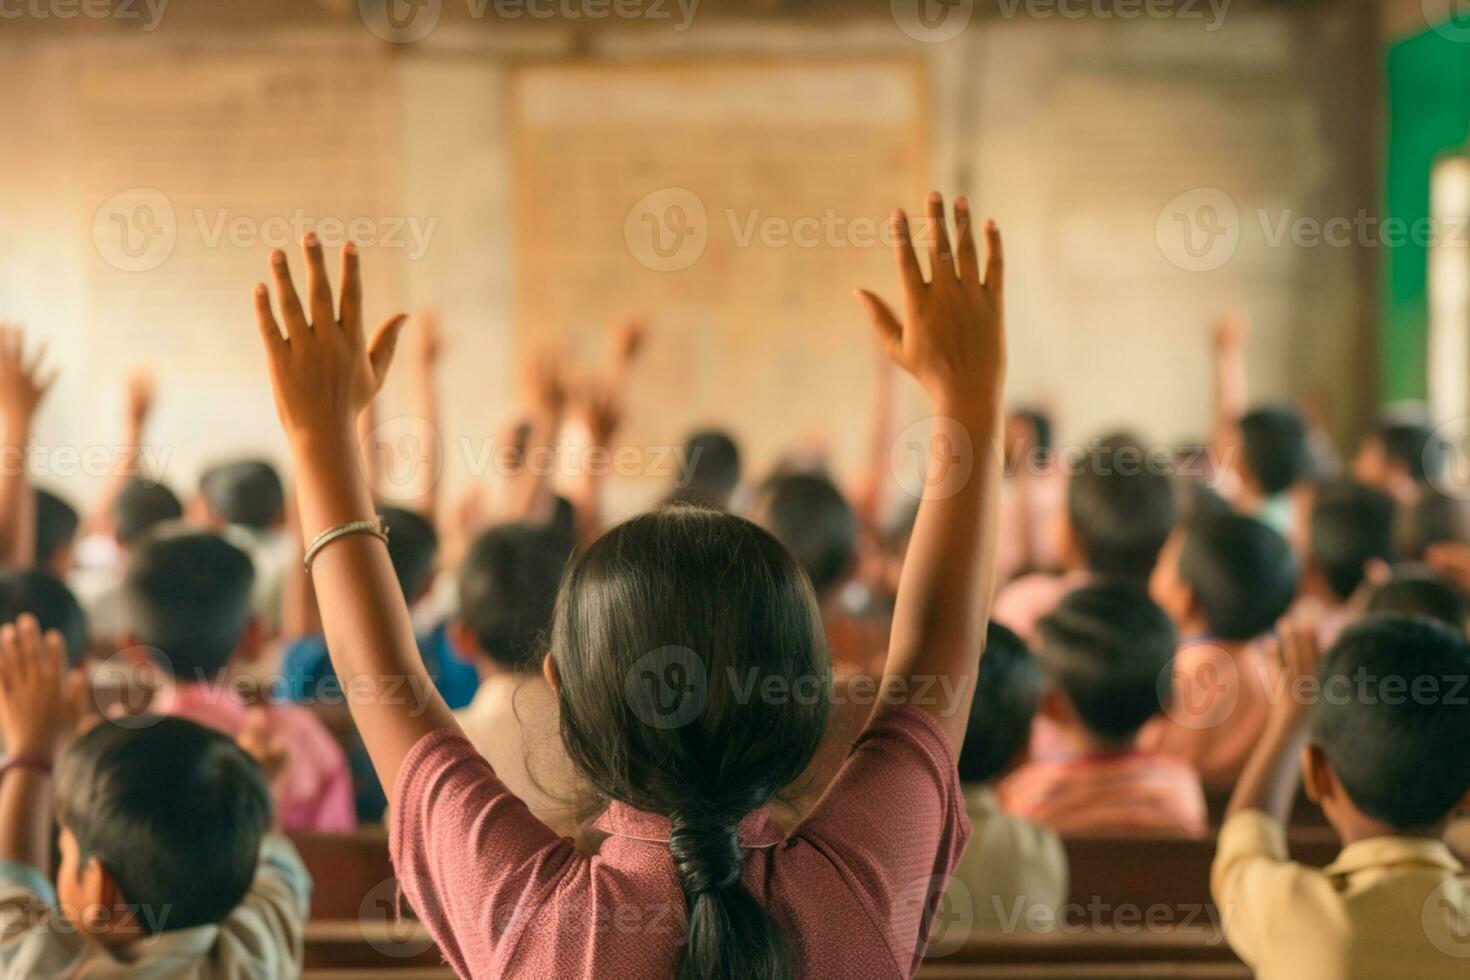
{"x":626,"y":341}
{"x":1301,"y":654}
{"x":22,"y":383}
{"x":140,"y":399}
{"x":951,"y":337}
{"x":1231,"y":331}
{"x":602,"y":407}
{"x":38,"y":700}
{"x":428,"y":340}
{"x":323,"y":371}
{"x":544,"y":378}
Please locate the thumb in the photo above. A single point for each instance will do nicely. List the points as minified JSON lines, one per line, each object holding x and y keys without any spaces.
{"x":384,"y":342}
{"x":890,"y":332}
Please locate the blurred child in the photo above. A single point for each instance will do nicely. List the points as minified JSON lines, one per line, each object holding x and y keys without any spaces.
{"x":245,"y":502}
{"x":507,"y":592}
{"x":1389,"y":768}
{"x":1104,"y":650}
{"x":51,"y":602}
{"x":1033,"y":496}
{"x":808,"y":514}
{"x":1012,"y":871}
{"x":56,"y":532}
{"x":1399,"y":456}
{"x":1119,"y":511}
{"x":711,"y":459}
{"x":166,"y":867}
{"x":189,"y":600}
{"x":138,"y":507}
{"x":1224,"y":581}
{"x":661,"y":624}
{"x":1419,"y":593}
{"x":1352,"y":530}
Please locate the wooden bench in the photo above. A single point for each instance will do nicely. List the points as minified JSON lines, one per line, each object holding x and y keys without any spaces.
{"x":360,"y":944}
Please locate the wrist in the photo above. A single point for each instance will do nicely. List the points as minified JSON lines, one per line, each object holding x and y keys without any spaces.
{"x":16,"y":430}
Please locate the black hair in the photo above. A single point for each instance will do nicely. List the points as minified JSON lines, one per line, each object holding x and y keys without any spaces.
{"x":1411,"y":444}
{"x":1041,"y":428}
{"x":188,"y":595}
{"x":1352,"y":524}
{"x":173,"y":810}
{"x":50,"y":601}
{"x":56,"y":526}
{"x":654,"y":622}
{"x":1106,"y":648}
{"x":413,"y":545}
{"x":142,"y":505}
{"x":1242,"y":574}
{"x":507,"y":590}
{"x":247,"y":492}
{"x":1120,"y":508}
{"x":1274,"y":443}
{"x":809,"y":515}
{"x":1199,"y":502}
{"x":1418,"y":591}
{"x":1434,"y":519}
{"x":713,"y":461}
{"x":1007,"y":692}
{"x":1392,"y":719}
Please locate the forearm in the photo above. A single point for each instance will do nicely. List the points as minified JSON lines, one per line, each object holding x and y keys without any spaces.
{"x":869,"y":498}
{"x":531,"y":489}
{"x":25,"y":818}
{"x":1272,"y":774}
{"x":17,"y":524}
{"x":948,"y":579}
{"x":364,"y":617}
{"x":102,"y":516}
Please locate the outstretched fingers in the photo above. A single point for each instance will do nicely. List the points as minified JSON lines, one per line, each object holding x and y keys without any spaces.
{"x":994,"y":259}
{"x":968,"y":258}
{"x":941,"y":253}
{"x":903,"y":252}
{"x":297,"y":328}
{"x":318,"y":286}
{"x":890,"y":330}
{"x":351,"y":303}
{"x":265,"y":318}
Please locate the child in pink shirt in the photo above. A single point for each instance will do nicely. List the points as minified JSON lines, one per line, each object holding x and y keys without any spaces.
{"x":690,"y":670}
{"x":1104,"y":651}
{"x":188,"y":596}
{"x":1224,"y":580}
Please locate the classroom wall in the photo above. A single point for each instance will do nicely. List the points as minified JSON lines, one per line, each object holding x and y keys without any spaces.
{"x":1094,"y":142}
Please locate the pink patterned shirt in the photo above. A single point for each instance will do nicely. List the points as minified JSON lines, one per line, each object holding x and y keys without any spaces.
{"x":853,"y":887}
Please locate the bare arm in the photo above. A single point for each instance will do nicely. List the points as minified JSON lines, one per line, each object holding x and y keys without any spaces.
{"x":602,"y":399}
{"x":1273,"y":772}
{"x":952,"y":339}
{"x":531,"y":493}
{"x":102,"y":518}
{"x":324,"y":372}
{"x":35,"y":719}
{"x":868,"y":498}
{"x":22,"y":387}
{"x":1232,"y":390}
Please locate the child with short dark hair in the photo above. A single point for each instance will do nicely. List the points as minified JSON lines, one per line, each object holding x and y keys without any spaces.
{"x":1104,"y":650}
{"x":507,"y":592}
{"x":51,"y":602}
{"x":1224,"y":580}
{"x":1012,"y":871}
{"x":1119,"y":512}
{"x":1418,"y":592}
{"x":1352,"y":540}
{"x":166,"y":865}
{"x":1382,"y":729}
{"x":189,"y":600}
{"x":711,"y":459}
{"x":244,"y":501}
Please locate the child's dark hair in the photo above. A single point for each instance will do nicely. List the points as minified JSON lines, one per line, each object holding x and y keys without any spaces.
{"x":809,"y":515}
{"x":1417,"y":591}
{"x":1007,"y":692}
{"x":713,"y":461}
{"x":1108,"y":648}
{"x":247,"y":493}
{"x":656,"y":622}
{"x":1393,"y":719}
{"x":51,"y":602}
{"x":1242,"y":574}
{"x":174,"y":811}
{"x":1352,"y":524}
{"x":1041,"y":428}
{"x":507,"y":590}
{"x":56,"y":526}
{"x":1435,"y":519}
{"x":188,"y":595}
{"x":1120,"y":508}
{"x":1274,"y":443}
{"x":413,"y":545}
{"x":1411,"y":444}
{"x":142,"y":505}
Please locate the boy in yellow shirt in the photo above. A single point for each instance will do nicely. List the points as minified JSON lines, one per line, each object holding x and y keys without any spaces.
{"x":1382,"y":733}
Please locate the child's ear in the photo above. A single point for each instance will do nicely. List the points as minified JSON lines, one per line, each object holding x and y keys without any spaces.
{"x":1316,"y":775}
{"x":548,"y":667}
{"x":462,"y":641}
{"x":1054,"y":706}
{"x":104,"y":910}
{"x":253,"y":641}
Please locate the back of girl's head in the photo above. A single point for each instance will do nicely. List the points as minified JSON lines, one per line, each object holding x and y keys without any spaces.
{"x":693,"y":678}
